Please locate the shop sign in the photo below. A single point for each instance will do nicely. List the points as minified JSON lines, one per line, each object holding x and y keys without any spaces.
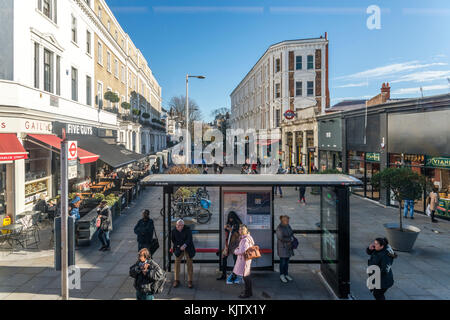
{"x":72,"y":150}
{"x":372,"y":157}
{"x":289,"y":114}
{"x":438,"y":162}
{"x":25,"y":125}
{"x":414,"y":157}
{"x":74,"y":129}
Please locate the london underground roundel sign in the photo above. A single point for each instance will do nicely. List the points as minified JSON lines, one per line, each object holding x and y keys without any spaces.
{"x":289,"y":114}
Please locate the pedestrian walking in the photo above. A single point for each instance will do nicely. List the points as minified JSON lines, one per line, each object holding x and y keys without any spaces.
{"x":433,"y":202}
{"x":301,"y":194}
{"x":183,"y":246}
{"x":285,"y":247}
{"x":148,"y":276}
{"x":144,"y":230}
{"x":382,"y":255}
{"x":280,"y":171}
{"x":242,"y":266}
{"x":104,"y":225}
{"x":231,"y":243}
{"x":409,"y":204}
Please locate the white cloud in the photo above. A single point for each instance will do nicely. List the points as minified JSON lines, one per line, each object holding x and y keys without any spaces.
{"x":423,"y":76}
{"x":390,"y":70}
{"x":354,"y":85}
{"x":417,"y":90}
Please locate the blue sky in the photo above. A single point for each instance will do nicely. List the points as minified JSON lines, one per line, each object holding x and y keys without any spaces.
{"x":223,"y":40}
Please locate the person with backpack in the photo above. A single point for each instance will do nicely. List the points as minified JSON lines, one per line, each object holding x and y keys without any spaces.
{"x":285,"y":247}
{"x":242,"y":266}
{"x":104,"y":225}
{"x":382,"y":255}
{"x":144,"y":230}
{"x":148,"y":276}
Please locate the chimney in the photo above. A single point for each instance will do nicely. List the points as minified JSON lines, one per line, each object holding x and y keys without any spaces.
{"x":386,"y":91}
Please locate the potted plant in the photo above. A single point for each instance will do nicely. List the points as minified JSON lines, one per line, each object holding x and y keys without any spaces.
{"x":145,"y":115}
{"x":111,"y":97}
{"x":405,"y":184}
{"x":125,"y":105}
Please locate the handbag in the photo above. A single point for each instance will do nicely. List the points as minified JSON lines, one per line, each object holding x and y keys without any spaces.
{"x":154,"y":244}
{"x":252,"y":253}
{"x":294,"y":244}
{"x":98,"y":222}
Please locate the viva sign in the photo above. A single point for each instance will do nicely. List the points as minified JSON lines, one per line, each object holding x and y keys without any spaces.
{"x":438,"y":162}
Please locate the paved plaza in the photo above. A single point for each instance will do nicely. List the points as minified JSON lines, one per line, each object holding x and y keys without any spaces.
{"x":421,"y":274}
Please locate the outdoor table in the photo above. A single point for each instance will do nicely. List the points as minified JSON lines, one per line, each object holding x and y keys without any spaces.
{"x":97,"y":188}
{"x":13,"y":229}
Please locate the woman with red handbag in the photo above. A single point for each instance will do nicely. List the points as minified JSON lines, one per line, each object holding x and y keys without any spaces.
{"x":242,"y":266}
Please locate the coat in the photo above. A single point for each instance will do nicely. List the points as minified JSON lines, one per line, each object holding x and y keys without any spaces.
{"x":383,"y":259}
{"x":284,"y":244}
{"x":434,"y":200}
{"x":181,"y":238}
{"x":144,"y":230}
{"x":145,"y":283}
{"x":242,"y":266}
{"x":106,"y":223}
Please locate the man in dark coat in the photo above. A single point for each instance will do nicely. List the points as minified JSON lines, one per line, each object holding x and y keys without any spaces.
{"x":382,"y":255}
{"x":144,"y":230}
{"x":183,"y":246}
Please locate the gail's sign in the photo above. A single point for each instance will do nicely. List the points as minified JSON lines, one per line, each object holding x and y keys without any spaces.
{"x":25,"y":125}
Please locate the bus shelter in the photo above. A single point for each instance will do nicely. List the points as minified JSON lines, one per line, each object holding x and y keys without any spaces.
{"x":252,"y":198}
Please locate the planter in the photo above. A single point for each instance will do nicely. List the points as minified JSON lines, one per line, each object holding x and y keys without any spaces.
{"x":401,"y":240}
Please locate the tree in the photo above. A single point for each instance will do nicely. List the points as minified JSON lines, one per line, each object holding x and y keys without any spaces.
{"x":404,"y":183}
{"x":177,"y":105}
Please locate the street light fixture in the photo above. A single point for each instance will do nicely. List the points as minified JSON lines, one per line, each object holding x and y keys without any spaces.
{"x":188,"y":148}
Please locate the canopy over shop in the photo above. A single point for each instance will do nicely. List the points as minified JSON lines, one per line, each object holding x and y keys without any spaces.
{"x":255,"y":195}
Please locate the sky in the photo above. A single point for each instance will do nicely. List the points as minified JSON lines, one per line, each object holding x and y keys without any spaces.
{"x":222,"y":40}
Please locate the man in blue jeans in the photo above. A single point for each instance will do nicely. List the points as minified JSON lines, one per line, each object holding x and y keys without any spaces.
{"x":410,"y":204}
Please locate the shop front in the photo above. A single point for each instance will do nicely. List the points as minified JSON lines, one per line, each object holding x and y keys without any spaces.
{"x":330,"y":144}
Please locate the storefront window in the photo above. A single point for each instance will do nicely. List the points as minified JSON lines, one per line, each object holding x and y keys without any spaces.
{"x":356,"y":168}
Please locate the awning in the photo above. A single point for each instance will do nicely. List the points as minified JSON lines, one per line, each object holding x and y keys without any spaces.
{"x":10,"y":148}
{"x":267,"y":142}
{"x":55,"y":142}
{"x":114,"y":155}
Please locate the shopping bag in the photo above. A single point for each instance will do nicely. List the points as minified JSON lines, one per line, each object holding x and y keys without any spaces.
{"x":428,"y":211}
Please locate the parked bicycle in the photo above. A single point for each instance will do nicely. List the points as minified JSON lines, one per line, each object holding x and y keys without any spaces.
{"x":196,"y":207}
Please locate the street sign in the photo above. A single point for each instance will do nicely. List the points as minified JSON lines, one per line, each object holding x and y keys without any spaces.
{"x":72,"y":169}
{"x":72,"y":150}
{"x":289,"y":114}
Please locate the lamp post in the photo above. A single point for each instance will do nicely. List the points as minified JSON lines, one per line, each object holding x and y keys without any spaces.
{"x":187,"y":147}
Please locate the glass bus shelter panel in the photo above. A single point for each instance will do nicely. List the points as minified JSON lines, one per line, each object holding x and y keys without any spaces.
{"x":335,"y":238}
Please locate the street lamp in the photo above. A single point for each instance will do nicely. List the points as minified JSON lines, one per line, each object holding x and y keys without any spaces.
{"x":188,"y":148}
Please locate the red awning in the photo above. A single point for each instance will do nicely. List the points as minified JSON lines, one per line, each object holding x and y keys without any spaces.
{"x":54,"y":141}
{"x":267,"y":142}
{"x":10,"y":148}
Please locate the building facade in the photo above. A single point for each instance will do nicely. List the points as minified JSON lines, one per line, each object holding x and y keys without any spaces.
{"x":410,"y":133}
{"x":282,"y":93}
{"x":52,"y":71}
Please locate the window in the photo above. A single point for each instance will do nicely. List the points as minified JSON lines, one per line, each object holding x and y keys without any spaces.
{"x":100,"y":13}
{"x":48,"y":8}
{"x":277,"y":65}
{"x":116,"y":68}
{"x":48,"y":71}
{"x":100,"y":53}
{"x":109,"y":25}
{"x":277,"y":90}
{"x":277,"y":117}
{"x":310,"y":62}
{"x":88,"y":42}
{"x":74,"y":29}
{"x":88,"y":2}
{"x":108,"y":61}
{"x":36,"y":65}
{"x":298,"y":63}
{"x":298,"y":88}
{"x":58,"y":75}
{"x":100,"y":94}
{"x":74,"y":84}
{"x":88,"y":91}
{"x":310,"y":88}
{"x":123,"y":74}
{"x":116,"y":35}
